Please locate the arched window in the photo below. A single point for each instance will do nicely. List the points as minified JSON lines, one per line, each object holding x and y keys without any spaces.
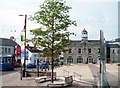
{"x":79,"y":59}
{"x":90,"y":59}
{"x":79,"y":50}
{"x":70,"y":59}
{"x":70,"y":50}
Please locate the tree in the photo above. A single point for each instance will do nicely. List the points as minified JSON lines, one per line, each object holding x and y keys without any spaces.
{"x":52,"y":35}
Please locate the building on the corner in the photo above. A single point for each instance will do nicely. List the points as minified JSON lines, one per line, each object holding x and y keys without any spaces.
{"x":113,"y":52}
{"x":88,"y":51}
{"x":7,"y":50}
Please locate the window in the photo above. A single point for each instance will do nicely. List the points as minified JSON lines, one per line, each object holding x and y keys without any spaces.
{"x":34,"y":55}
{"x":79,"y":50}
{"x":5,"y":50}
{"x":84,"y":33}
{"x":79,"y":59}
{"x":89,"y":59}
{"x":113,"y":51}
{"x":0,"y":60}
{"x":2,"y":49}
{"x":89,"y":50}
{"x":8,"y":50}
{"x":118,"y":52}
{"x":70,"y":59}
{"x":69,"y":51}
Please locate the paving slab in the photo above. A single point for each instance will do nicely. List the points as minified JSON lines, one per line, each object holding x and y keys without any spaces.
{"x":84,"y":70}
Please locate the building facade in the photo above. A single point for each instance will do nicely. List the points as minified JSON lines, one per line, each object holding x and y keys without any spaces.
{"x":7,"y":50}
{"x":32,"y":55}
{"x":18,"y":54}
{"x":113,"y":52}
{"x":87,"y":51}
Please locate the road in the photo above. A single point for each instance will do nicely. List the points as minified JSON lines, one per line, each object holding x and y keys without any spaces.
{"x":9,"y":72}
{"x":15,"y":70}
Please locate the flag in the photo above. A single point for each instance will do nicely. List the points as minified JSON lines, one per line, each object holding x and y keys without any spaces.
{"x":23,"y":30}
{"x":23,"y":35}
{"x":22,"y":38}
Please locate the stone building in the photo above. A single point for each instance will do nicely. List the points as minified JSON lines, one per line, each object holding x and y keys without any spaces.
{"x":88,"y":51}
{"x":83,"y":51}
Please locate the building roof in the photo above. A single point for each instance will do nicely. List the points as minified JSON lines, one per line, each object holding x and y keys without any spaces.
{"x":93,"y":40}
{"x":7,"y":42}
{"x":84,"y":30}
{"x":33,"y":49}
{"x":117,"y":39}
{"x":113,"y":45}
{"x":87,"y":40}
{"x":75,"y":40}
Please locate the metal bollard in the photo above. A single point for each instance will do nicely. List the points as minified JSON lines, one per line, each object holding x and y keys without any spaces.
{"x":21,"y":74}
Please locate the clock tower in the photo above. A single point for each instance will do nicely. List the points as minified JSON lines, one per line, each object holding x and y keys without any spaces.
{"x":84,"y":35}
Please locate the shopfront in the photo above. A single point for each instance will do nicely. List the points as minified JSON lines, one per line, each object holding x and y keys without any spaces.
{"x":7,"y":59}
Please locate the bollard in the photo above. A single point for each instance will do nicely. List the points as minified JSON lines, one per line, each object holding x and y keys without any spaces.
{"x":21,"y":74}
{"x":38,"y":67}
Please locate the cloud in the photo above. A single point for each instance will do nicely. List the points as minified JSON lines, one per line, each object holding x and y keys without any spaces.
{"x":94,"y":15}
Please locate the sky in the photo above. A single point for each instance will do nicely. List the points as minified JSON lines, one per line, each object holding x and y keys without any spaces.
{"x":93,"y":15}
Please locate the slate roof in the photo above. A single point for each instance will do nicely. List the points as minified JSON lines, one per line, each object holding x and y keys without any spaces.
{"x":84,"y":30}
{"x":113,"y":45}
{"x":87,"y":40}
{"x":33,"y":49}
{"x":93,"y":40}
{"x":7,"y":42}
{"x":117,"y":40}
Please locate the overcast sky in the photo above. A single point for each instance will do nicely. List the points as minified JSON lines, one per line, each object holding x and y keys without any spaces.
{"x":93,"y":15}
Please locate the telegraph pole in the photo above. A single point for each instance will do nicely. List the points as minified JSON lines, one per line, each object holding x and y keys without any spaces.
{"x":103,"y":78}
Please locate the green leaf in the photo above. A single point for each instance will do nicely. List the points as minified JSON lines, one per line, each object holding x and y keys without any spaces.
{"x":54,"y":19}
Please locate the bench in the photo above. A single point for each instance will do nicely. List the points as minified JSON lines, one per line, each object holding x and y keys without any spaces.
{"x":46,"y":77}
{"x":68,"y":82}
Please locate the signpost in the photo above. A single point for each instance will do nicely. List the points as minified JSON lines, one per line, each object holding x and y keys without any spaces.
{"x":103,"y":77}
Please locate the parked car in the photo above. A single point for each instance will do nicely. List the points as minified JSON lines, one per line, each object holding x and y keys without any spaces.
{"x":44,"y":65}
{"x":6,"y":67}
{"x":31,"y":65}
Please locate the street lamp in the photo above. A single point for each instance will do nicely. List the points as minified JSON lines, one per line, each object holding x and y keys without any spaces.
{"x":25,"y":22}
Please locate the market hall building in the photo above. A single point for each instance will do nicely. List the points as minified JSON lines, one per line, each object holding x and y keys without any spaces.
{"x":86,"y":51}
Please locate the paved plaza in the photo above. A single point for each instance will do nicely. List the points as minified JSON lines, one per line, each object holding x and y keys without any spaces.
{"x":83,"y":75}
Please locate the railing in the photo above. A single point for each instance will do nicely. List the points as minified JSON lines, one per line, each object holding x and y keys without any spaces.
{"x":65,"y":71}
{"x":77,"y":75}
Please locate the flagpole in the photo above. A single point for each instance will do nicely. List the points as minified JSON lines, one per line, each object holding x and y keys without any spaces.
{"x":24,"y":65}
{"x":25,"y":47}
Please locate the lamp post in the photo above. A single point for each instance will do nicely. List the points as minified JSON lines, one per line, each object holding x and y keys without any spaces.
{"x":25,"y":22}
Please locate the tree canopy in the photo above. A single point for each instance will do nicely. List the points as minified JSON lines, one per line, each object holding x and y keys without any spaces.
{"x":52,"y":35}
